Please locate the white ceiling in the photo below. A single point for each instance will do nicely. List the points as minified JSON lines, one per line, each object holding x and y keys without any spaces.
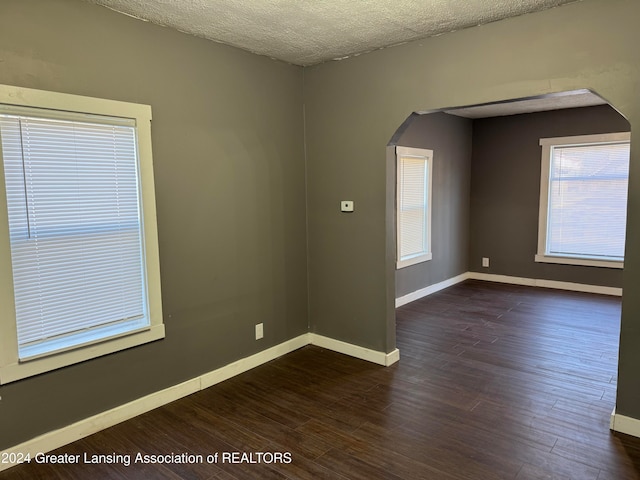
{"x":306,"y":32}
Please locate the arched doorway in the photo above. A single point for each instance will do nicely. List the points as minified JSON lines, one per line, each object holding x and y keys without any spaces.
{"x":486,"y":192}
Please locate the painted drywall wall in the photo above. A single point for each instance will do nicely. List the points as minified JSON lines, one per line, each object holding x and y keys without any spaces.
{"x":353,"y":107}
{"x":505,"y":191}
{"x":227,"y":135}
{"x":221,"y":114}
{"x":450,"y":138}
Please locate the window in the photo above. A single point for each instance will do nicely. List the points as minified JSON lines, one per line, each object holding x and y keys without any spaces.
{"x":413,"y":205}
{"x":583,"y":200}
{"x":77,"y":230}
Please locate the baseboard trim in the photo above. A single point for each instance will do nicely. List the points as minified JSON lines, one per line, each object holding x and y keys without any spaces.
{"x":373,"y":356}
{"x":490,"y":277}
{"x":392,"y":357}
{"x":536,"y":282}
{"x":88,"y":426}
{"x":245,"y":364}
{"x":436,"y":287}
{"x":627,"y":425}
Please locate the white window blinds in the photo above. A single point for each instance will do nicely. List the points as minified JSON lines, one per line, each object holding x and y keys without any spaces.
{"x":413,"y":205}
{"x":75,"y":228}
{"x":588,"y":200}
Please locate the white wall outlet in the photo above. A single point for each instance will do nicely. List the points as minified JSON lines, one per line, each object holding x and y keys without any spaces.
{"x":485,"y":261}
{"x":259,"y":331}
{"x":346,"y":206}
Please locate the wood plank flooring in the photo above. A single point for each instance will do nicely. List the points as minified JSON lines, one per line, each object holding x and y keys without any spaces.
{"x":494,"y":382}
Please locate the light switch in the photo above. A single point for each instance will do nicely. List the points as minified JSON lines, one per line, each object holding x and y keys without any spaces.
{"x":346,"y":206}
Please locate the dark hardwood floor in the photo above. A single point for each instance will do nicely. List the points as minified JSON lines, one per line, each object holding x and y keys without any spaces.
{"x":494,"y":382}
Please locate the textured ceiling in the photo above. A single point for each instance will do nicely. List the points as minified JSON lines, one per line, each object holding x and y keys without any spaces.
{"x":554,"y":101}
{"x":306,"y":32}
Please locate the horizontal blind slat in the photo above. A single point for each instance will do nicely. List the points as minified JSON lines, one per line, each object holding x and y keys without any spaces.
{"x":74,"y":221}
{"x":412,"y":205}
{"x":588,"y":200}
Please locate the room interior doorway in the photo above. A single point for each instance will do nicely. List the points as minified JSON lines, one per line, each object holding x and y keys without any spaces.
{"x":488,"y":200}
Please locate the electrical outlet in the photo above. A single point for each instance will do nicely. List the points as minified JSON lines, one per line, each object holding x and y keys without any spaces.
{"x":485,"y":261}
{"x":259,"y":331}
{"x":346,"y":206}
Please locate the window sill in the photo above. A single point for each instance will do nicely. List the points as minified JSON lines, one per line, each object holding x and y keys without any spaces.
{"x":82,"y":339}
{"x":587,"y":262}
{"x":17,"y":371}
{"x":413,"y":260}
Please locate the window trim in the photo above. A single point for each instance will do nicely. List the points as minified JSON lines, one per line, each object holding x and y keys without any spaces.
{"x":428,"y":156}
{"x":11,"y":369}
{"x":547,"y":144}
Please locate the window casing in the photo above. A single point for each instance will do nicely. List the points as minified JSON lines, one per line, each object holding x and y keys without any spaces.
{"x":77,"y":230}
{"x":413,"y":205}
{"x":583,"y":200}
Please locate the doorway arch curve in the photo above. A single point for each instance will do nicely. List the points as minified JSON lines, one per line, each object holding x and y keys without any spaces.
{"x":558,"y":114}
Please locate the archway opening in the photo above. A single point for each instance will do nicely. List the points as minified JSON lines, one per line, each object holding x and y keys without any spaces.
{"x":490,"y":215}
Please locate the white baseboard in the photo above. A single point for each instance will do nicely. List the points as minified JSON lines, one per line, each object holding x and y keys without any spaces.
{"x":627,"y":425}
{"x":245,"y":364}
{"x":392,"y":357}
{"x":374,"y":356}
{"x":490,"y":277}
{"x":83,"y":428}
{"x":536,"y":282}
{"x":436,"y":287}
{"x":88,"y":426}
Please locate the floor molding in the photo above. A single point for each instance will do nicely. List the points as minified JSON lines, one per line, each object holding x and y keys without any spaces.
{"x":627,"y":425}
{"x":537,"y":282}
{"x":245,"y":364}
{"x":490,"y":277}
{"x":374,"y":356}
{"x":436,"y":287}
{"x":88,"y":426}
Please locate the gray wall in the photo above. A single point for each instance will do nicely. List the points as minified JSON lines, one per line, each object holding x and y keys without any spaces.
{"x":228,"y":123}
{"x":353,"y":108}
{"x":505,"y":191}
{"x":450,"y":139}
{"x":230,"y":187}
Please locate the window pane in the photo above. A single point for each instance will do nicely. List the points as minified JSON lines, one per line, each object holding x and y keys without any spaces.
{"x":413,"y":206}
{"x":74,"y":222}
{"x":588,"y":200}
